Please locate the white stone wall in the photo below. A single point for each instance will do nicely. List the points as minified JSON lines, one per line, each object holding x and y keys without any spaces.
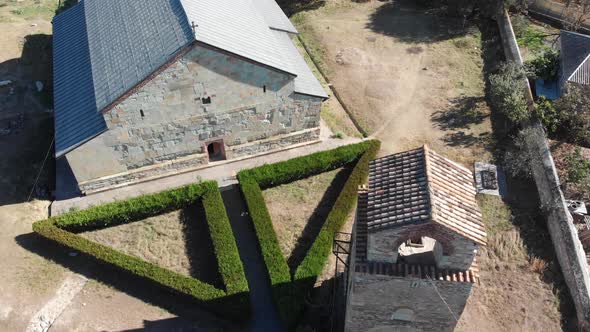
{"x":166,"y":118}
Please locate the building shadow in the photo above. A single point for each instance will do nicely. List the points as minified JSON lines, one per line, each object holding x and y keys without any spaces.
{"x":410,"y":22}
{"x":318,"y":218}
{"x":26,"y":128}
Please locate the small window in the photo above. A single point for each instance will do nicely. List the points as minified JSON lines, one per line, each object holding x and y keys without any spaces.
{"x":141,"y":113}
{"x":264,"y":88}
{"x":206,"y":100}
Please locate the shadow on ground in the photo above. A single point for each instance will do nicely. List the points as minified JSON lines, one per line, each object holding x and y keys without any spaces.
{"x":190,"y":313}
{"x":523,"y":199}
{"x":199,"y":245}
{"x":317,"y":219}
{"x":26,"y":130}
{"x":399,"y":19}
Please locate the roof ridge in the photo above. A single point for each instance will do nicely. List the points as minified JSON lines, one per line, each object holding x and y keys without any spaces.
{"x":429,"y":190}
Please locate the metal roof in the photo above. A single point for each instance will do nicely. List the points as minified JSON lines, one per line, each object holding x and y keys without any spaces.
{"x":104,"y":48}
{"x":575,"y":57}
{"x":236,"y":26}
{"x":420,"y":186}
{"x":305,"y":82}
{"x":274,"y":16}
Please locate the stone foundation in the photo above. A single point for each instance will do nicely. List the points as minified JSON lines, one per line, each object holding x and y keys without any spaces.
{"x":196,"y":161}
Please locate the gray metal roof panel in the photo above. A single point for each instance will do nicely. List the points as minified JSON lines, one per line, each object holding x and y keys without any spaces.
{"x":102,"y":49}
{"x":236,"y":26}
{"x":274,"y":15}
{"x":76,"y":116}
{"x":305,"y":82}
{"x":575,"y":48}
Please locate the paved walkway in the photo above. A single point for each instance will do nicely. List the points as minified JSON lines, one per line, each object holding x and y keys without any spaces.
{"x":224,"y":173}
{"x":265,"y":316}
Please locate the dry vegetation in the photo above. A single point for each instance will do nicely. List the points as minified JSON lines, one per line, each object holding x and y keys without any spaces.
{"x":177,"y":240}
{"x":299,"y":209}
{"x":409,"y":77}
{"x":512,"y":294}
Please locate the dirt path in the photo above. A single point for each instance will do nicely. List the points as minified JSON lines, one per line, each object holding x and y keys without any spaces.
{"x":407,"y":75}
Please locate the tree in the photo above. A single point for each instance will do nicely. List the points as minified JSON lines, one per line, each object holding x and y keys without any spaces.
{"x":507,"y":92}
{"x":576,"y":13}
{"x":544,"y":66}
{"x":574,"y":114}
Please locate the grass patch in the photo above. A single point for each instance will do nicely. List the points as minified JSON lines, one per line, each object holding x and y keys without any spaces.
{"x":230,"y":302}
{"x":289,"y":290}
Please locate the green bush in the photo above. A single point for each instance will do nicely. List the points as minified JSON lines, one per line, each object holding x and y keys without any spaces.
{"x":507,"y":92}
{"x":288,"y":291}
{"x":232,"y":303}
{"x":545,"y":66}
{"x":548,"y":115}
{"x":578,"y":167}
{"x":573,"y":109}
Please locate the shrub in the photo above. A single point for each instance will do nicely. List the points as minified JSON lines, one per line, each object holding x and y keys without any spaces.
{"x":545,"y":66}
{"x":288,"y":295}
{"x":574,"y":113}
{"x":578,"y":167}
{"x":517,"y":159}
{"x":232,"y":302}
{"x":507,"y":92}
{"x":548,"y":115}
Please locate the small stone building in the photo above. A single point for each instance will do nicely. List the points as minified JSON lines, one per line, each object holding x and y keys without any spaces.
{"x":148,"y":88}
{"x":416,"y":236}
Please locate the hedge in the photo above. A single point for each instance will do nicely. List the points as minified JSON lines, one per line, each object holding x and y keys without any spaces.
{"x":289,"y":291}
{"x":232,"y":302}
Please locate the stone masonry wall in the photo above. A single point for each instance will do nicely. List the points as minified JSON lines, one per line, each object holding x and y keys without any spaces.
{"x":170,"y":116}
{"x":385,"y":303}
{"x":457,"y":253}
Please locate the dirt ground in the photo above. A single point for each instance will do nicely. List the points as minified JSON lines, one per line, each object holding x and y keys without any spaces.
{"x":414,"y":77}
{"x":409,"y":77}
{"x":298,"y":210}
{"x":177,"y":240}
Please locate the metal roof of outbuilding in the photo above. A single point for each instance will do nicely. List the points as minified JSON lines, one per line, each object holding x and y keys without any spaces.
{"x":575,"y":57}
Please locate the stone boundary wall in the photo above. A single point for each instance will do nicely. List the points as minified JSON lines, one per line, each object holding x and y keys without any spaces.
{"x":198,"y":161}
{"x":568,"y":248}
{"x":553,"y":12}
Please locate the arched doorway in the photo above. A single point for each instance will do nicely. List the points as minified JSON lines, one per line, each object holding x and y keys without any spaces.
{"x":216,"y":150}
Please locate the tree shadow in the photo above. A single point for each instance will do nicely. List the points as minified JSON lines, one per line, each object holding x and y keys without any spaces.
{"x":199,"y":245}
{"x":462,"y":139}
{"x":292,"y":7}
{"x":318,"y":218}
{"x":464,"y":113}
{"x":523,"y":198}
{"x":412,"y":23}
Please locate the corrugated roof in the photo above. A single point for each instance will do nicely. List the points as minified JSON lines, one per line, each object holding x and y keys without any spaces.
{"x":236,"y":26}
{"x":575,"y":61}
{"x":274,"y":15}
{"x":420,"y":186}
{"x":104,"y":48}
{"x":305,"y":82}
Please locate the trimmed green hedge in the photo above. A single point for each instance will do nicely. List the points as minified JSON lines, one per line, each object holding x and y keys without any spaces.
{"x":232,"y":302}
{"x":289,"y":291}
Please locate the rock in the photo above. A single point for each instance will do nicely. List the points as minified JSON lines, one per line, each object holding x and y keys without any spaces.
{"x":73,"y":254}
{"x":425,"y":68}
{"x":39,"y":86}
{"x":5,"y":83}
{"x":34,"y":24}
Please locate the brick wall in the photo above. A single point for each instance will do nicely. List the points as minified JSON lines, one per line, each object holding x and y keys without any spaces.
{"x":170,"y":117}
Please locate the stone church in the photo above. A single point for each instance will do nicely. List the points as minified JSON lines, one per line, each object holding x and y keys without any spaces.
{"x":416,"y":237}
{"x":148,"y":88}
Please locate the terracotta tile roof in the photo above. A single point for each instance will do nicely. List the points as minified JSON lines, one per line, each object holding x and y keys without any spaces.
{"x":420,"y":186}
